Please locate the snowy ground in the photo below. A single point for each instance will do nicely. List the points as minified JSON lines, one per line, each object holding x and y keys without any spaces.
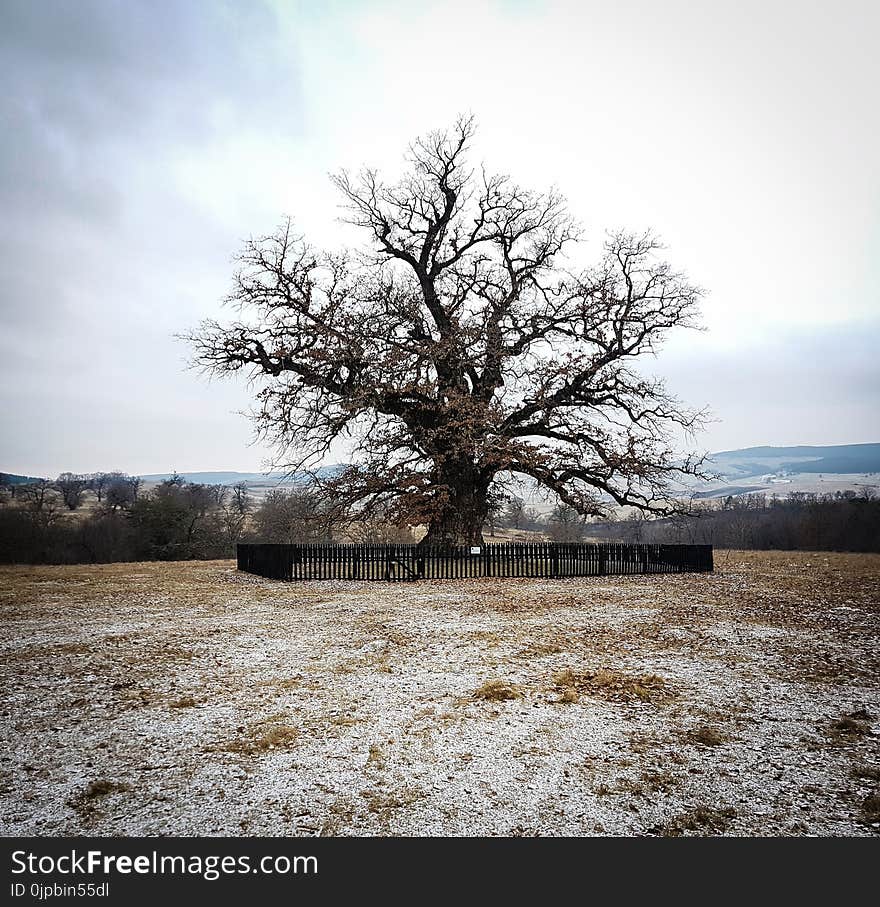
{"x":189,"y":699}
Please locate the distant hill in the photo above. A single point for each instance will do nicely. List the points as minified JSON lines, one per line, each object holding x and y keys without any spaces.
{"x":836,"y":459}
{"x":231,"y":478}
{"x":745,"y":463}
{"x":217,"y":478}
{"x":741,"y":471}
{"x":726,"y":490}
{"x":9,"y":478}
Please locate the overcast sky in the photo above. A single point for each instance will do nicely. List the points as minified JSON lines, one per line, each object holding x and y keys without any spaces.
{"x":142,"y":141}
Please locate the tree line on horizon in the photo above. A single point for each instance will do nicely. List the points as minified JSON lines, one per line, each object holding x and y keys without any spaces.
{"x":839,"y":521}
{"x":45,"y":521}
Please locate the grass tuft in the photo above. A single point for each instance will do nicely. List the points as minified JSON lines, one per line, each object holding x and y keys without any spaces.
{"x":262,"y":736}
{"x":871,"y":808}
{"x":609,"y":684}
{"x":703,"y":820}
{"x":101,"y":788}
{"x":541,"y":649}
{"x":706,"y":735}
{"x":85,"y":800}
{"x":861,"y":714}
{"x":849,"y":727}
{"x":497,"y":691}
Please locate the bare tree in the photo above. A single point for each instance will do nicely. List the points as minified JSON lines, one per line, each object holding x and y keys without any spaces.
{"x":36,"y":495}
{"x":99,"y":482}
{"x":532,"y":520}
{"x":119,"y":493}
{"x":685,"y":522}
{"x":42,"y":503}
{"x":565,"y":524}
{"x":377,"y":527}
{"x":458,"y":349}
{"x":294,"y":515}
{"x":134,"y":483}
{"x":494,"y":510}
{"x":636,"y":526}
{"x":515,"y":512}
{"x":71,"y":487}
{"x":240,"y":498}
{"x":235,"y":507}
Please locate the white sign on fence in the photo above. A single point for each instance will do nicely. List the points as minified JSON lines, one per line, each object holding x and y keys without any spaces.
{"x":476,"y":549}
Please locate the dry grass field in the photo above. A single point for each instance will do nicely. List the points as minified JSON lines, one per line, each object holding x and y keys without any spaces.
{"x":186,"y":698}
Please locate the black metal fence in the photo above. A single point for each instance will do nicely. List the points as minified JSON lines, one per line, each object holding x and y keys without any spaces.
{"x":398,"y":563}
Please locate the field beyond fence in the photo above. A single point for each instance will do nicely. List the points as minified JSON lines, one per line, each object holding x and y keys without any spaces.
{"x":401,"y":563}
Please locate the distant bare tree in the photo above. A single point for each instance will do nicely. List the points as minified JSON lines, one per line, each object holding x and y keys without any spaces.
{"x":241,"y":499}
{"x":42,"y":502}
{"x":460,"y":349}
{"x":236,"y":504}
{"x":294,"y":515}
{"x":120,"y":492}
{"x":36,"y":495}
{"x":377,"y":528}
{"x":686,"y":522}
{"x":494,"y":511}
{"x":532,"y":520}
{"x":565,"y":524}
{"x":514,"y":513}
{"x":71,"y":486}
{"x":636,"y":528}
{"x":99,"y":482}
{"x":180,"y":518}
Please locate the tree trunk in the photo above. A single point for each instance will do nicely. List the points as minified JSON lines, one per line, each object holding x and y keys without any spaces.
{"x":460,"y":518}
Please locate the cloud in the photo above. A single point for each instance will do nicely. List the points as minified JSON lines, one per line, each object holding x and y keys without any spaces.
{"x":143,"y":139}
{"x":103,"y":252}
{"x":101,"y":101}
{"x":791,"y":385}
